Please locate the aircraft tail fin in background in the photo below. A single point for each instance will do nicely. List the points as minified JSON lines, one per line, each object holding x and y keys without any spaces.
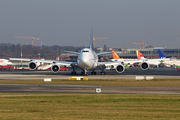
{"x":139,"y":55}
{"x":115,"y":55}
{"x":91,"y":39}
{"x":161,"y":54}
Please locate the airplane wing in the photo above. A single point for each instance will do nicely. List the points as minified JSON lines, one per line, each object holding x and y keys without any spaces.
{"x":119,"y":65}
{"x":72,"y":52}
{"x":44,"y":61}
{"x":129,"y":62}
{"x":104,"y":53}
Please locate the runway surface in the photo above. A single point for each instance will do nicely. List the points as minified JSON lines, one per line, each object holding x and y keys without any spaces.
{"x":24,"y":88}
{"x":161,"y":73}
{"x":128,"y":74}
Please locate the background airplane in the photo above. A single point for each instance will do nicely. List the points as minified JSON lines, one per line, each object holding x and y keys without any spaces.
{"x":117,"y":58}
{"x":5,"y":62}
{"x":169,"y":63}
{"x":153,"y":62}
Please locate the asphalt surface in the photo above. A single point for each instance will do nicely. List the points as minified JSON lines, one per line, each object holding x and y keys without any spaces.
{"x":160,"y":73}
{"x":24,"y":88}
{"x":166,"y":73}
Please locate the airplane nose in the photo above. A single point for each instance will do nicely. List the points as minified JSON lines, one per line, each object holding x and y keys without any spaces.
{"x":85,"y":63}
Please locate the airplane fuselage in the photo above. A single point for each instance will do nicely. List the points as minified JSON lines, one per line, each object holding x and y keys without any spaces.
{"x":87,"y":59}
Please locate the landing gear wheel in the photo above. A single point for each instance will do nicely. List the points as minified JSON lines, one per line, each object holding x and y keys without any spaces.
{"x":103,"y":73}
{"x":93,"y":73}
{"x":73,"y":73}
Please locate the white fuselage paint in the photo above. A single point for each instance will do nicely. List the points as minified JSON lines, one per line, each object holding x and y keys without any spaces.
{"x":5,"y":62}
{"x":172,"y":62}
{"x":87,"y":59}
{"x":155,"y":61}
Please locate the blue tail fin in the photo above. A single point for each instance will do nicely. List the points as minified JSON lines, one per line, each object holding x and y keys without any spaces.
{"x":91,"y":39}
{"x":161,"y":54}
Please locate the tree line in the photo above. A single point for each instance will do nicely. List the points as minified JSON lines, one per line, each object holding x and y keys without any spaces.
{"x":47,"y":52}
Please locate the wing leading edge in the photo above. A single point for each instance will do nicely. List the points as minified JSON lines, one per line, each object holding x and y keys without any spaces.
{"x":44,"y":61}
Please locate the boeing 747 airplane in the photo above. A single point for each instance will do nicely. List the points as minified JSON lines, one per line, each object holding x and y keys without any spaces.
{"x":87,"y":60}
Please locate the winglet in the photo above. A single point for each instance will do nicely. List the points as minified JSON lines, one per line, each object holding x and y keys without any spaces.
{"x":115,"y":55}
{"x":161,"y":54}
{"x":139,"y":55}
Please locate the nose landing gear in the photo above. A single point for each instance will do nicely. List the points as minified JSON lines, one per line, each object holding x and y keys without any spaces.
{"x":84,"y":72}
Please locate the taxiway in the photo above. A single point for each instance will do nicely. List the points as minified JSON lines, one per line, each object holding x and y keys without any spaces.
{"x":161,"y":73}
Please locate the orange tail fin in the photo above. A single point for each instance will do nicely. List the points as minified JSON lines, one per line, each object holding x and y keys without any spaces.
{"x":115,"y":55}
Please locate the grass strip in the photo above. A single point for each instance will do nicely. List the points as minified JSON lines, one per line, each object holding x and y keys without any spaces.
{"x":89,"y":106}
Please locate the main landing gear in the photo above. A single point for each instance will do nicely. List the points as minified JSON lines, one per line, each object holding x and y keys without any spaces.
{"x":85,"y":72}
{"x":103,"y":70}
{"x":93,"y":72}
{"x":73,"y":72}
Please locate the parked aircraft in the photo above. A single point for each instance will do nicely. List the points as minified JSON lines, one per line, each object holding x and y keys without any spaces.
{"x":169,"y":63}
{"x":5,"y":62}
{"x":153,"y":62}
{"x":87,"y":60}
{"x":117,"y":58}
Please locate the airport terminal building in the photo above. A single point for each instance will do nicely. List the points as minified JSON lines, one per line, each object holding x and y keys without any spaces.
{"x":150,"y":53}
{"x":131,"y":53}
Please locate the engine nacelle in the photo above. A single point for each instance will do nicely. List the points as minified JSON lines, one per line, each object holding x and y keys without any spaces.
{"x":144,"y":66}
{"x":120,"y":68}
{"x":55,"y":68}
{"x":32,"y":65}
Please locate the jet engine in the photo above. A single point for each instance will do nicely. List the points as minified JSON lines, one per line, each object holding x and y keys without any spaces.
{"x":120,"y":68}
{"x":32,"y":65}
{"x":55,"y":68}
{"x":144,"y":66}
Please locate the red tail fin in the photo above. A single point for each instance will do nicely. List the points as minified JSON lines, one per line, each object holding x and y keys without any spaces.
{"x":139,"y":55}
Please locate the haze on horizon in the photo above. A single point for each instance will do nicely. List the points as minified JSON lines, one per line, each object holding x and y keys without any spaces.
{"x":68,"y":22}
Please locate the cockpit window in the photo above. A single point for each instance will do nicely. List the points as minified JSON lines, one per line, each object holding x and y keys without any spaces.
{"x":85,"y":51}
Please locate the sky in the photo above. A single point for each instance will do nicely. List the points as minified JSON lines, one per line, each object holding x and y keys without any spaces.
{"x":68,"y":22}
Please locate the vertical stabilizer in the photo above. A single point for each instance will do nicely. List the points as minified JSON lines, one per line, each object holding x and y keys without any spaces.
{"x":91,"y":39}
{"x":115,"y":55}
{"x":139,"y":55}
{"x":161,"y":54}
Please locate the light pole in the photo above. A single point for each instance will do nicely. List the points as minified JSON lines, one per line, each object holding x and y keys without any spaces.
{"x":39,"y":55}
{"x":178,"y":45}
{"x":149,"y":45}
{"x":21,"y":54}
